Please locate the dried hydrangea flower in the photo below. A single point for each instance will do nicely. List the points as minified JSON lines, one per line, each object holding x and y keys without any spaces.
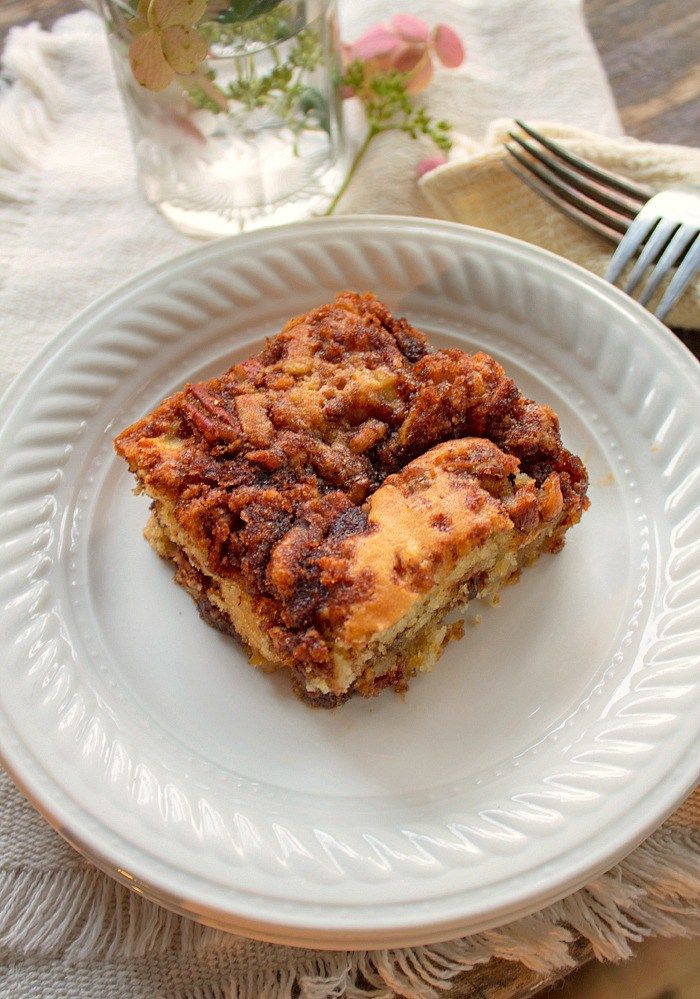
{"x":166,"y":42}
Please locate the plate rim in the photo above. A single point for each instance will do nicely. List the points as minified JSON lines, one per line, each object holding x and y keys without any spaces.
{"x":667,"y":339}
{"x":678,"y":781}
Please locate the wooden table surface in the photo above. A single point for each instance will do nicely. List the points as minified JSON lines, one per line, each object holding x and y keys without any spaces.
{"x":651,"y":52}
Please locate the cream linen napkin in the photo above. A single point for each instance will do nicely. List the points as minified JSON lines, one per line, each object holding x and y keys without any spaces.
{"x":72,"y":226}
{"x":480,"y":190}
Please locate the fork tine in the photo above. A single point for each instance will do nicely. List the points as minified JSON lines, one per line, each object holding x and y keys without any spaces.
{"x":564,"y":207}
{"x":638,"y":191}
{"x":681,"y":279}
{"x":657,"y":240}
{"x":630,"y":243}
{"x":604,"y":195}
{"x":607,"y":216}
{"x":671,"y":255}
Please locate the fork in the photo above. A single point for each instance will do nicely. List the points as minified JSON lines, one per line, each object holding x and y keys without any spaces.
{"x":661,"y":228}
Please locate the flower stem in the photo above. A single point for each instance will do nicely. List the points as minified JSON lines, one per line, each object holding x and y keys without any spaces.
{"x":353,"y":169}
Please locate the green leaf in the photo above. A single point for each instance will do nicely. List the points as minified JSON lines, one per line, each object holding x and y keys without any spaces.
{"x":311,"y":99}
{"x":246,"y":10}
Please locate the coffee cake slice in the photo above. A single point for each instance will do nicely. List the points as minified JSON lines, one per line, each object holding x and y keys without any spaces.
{"x":331,"y":499}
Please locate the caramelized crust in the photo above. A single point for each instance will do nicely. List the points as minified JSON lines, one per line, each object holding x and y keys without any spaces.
{"x":317,"y":479}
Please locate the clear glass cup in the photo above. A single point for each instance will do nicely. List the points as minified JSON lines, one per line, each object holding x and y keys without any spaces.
{"x":253,"y":135}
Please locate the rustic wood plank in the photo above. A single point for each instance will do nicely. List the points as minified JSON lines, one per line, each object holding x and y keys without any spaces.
{"x":651,"y":53}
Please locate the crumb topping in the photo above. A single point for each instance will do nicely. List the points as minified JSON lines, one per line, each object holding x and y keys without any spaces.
{"x":273,"y":464}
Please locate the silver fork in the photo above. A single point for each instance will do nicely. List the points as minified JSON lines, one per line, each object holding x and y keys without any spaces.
{"x":663,"y":227}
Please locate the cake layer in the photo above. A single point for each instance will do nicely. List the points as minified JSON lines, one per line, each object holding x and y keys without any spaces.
{"x":449,"y":527}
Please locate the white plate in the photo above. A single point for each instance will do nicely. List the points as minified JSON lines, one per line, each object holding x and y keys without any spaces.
{"x":547,"y":743}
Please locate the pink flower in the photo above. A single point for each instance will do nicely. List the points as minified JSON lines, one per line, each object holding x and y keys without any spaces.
{"x":428,"y":164}
{"x":409,"y":28}
{"x":376,"y":43}
{"x":407,"y":45}
{"x":448,"y":46}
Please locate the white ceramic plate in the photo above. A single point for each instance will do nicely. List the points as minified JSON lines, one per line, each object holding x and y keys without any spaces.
{"x":547,"y":743}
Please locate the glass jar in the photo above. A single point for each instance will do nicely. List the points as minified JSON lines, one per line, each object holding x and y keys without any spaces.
{"x":248,"y":135}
